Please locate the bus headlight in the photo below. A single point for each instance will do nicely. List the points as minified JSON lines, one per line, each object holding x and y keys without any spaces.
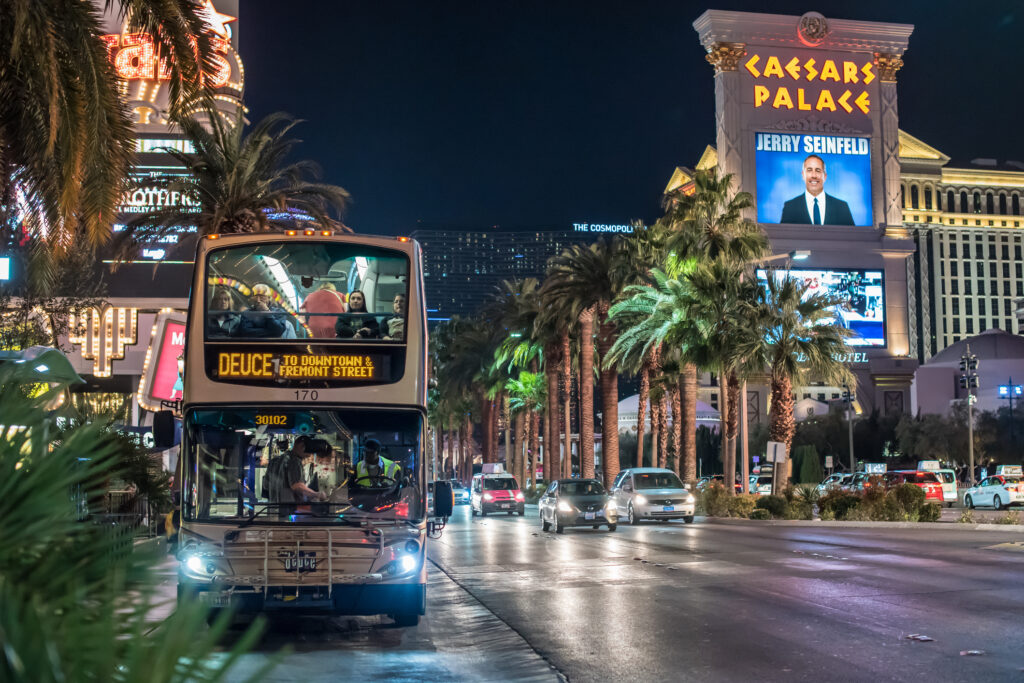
{"x":408,"y":563}
{"x":194,"y":564}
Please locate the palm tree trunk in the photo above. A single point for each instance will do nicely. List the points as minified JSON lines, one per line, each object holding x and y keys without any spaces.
{"x":528,"y":481}
{"x":733,"y":396}
{"x":655,"y":430}
{"x":688,"y":413}
{"x":552,"y":466}
{"x":586,"y":320}
{"x":485,"y":427}
{"x":662,"y":430}
{"x":464,"y":451}
{"x":520,"y":448}
{"x":566,"y":464}
{"x":495,"y":418}
{"x":781,"y":425}
{"x":641,"y":410}
{"x":509,"y":456}
{"x":609,"y":400}
{"x":534,"y":443}
{"x":728,"y":468}
{"x":677,"y":424}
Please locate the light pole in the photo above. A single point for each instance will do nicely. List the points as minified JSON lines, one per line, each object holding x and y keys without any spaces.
{"x":849,"y":397}
{"x":968,"y":381}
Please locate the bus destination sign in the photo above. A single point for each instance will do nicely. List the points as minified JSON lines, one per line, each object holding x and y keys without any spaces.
{"x":263,"y":365}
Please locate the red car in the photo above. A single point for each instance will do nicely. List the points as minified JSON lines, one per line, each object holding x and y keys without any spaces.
{"x":928,"y":481}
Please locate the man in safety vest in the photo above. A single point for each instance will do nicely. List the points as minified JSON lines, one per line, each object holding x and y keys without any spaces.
{"x":373,"y":470}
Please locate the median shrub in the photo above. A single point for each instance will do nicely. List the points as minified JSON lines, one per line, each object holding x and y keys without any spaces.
{"x":714,"y":501}
{"x":930,"y":512}
{"x":741,"y":505}
{"x":776,"y":506}
{"x":1011,"y":517}
{"x":910,"y":497}
{"x":837,"y":504}
{"x":761,"y":513}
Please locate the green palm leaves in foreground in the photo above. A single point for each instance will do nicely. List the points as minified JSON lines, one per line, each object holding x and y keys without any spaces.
{"x":75,"y":600}
{"x":237,"y":177}
{"x":65,"y":136}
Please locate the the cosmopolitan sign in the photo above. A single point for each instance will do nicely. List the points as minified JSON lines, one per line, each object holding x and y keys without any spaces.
{"x":601,"y":227}
{"x":801,"y":81}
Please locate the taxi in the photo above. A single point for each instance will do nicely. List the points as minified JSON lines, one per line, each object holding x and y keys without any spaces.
{"x":1004,"y":488}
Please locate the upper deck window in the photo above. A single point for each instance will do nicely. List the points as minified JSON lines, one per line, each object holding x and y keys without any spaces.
{"x":307,"y":290}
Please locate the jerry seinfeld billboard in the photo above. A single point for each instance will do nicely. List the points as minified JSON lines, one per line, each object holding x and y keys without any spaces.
{"x":805,"y":179}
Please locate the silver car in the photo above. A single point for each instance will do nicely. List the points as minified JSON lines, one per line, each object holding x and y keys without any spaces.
{"x":651,"y":493}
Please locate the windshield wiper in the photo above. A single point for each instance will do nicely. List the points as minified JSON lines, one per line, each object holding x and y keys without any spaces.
{"x":253,"y":517}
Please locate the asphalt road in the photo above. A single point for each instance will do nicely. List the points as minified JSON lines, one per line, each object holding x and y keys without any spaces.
{"x":749,"y":601}
{"x":710,"y":601}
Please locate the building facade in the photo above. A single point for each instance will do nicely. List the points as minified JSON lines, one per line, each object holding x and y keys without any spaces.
{"x":463,"y":268}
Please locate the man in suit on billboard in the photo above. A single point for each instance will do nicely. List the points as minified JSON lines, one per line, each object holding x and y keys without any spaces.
{"x":814,"y":206}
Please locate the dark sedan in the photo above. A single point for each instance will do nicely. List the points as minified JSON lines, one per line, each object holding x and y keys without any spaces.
{"x":576,"y":502}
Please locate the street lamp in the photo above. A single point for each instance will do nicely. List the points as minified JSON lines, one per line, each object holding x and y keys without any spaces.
{"x":968,"y":381}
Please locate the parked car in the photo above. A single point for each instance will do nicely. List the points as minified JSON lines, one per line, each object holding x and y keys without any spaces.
{"x":576,"y":502}
{"x":834,"y":481}
{"x":497,"y":492}
{"x":928,"y":481}
{"x":761,"y":484}
{"x":999,"y":491}
{"x":948,"y":480}
{"x":719,"y":479}
{"x":651,"y":493}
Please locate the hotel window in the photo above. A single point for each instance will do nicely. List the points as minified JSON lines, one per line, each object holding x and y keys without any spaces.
{"x":903,"y":196}
{"x":992,"y":270}
{"x":952,"y":250}
{"x":950,"y":200}
{"x":981,"y":325}
{"x":977,"y":202}
{"x":1002,"y":204}
{"x":942,"y":268}
{"x":970,"y":326}
{"x":1016,"y":252}
{"x":963,"y":202}
{"x":956,"y":325}
{"x":967,"y":269}
{"x":981,"y":307}
{"x":1015,"y":205}
{"x":1007,"y":307}
{"x":969,"y":306}
{"x":1018,"y":269}
{"x":954,"y":287}
{"x":981,"y":286}
{"x":967,"y":289}
{"x":1006,"y":270}
{"x":991,"y":251}
{"x":956,"y":306}
{"x":1006,"y":252}
{"x":954,"y":269}
{"x":913,"y":197}
{"x":928,"y":198}
{"x":1020,"y":288}
{"x":990,"y":205}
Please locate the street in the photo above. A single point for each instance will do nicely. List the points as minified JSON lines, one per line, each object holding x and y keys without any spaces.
{"x":711,"y":601}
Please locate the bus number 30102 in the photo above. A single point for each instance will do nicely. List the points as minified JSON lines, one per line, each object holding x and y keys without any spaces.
{"x":306,"y":395}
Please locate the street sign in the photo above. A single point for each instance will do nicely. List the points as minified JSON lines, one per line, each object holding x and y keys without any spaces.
{"x":828,"y":461}
{"x":776,"y":451}
{"x":757,"y":459}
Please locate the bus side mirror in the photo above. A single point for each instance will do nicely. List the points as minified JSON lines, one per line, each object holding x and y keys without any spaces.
{"x":444,"y":499}
{"x":163,"y":429}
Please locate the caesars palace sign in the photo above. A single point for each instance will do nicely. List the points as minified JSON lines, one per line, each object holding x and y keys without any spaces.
{"x":802,"y":83}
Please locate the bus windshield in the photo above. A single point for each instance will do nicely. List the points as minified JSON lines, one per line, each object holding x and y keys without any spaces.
{"x":302,"y":465}
{"x":307,"y":290}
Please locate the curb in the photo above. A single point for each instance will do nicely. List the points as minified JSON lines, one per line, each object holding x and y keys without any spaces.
{"x":1013,"y":528}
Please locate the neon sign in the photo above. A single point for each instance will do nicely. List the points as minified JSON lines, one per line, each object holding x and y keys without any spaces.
{"x":809,"y":84}
{"x":134,"y":58}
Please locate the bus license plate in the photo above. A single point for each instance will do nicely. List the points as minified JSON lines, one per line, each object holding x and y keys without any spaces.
{"x":214,"y":598}
{"x":305,"y":562}
{"x":589,"y":515}
{"x":669,"y":508}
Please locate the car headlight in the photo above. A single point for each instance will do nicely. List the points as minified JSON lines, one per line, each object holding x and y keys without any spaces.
{"x":520,"y":496}
{"x":610,"y":506}
{"x":564,"y":506}
{"x":488,"y":497}
{"x":640,"y":499}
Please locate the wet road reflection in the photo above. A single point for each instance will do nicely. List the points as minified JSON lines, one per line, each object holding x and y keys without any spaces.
{"x":669,"y":601}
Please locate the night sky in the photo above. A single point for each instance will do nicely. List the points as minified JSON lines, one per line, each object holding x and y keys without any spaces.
{"x":523,"y":113}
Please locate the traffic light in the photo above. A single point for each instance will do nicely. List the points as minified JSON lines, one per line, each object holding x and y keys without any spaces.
{"x":972,"y":364}
{"x":974,"y":382}
{"x":963,"y":381}
{"x":963,"y":364}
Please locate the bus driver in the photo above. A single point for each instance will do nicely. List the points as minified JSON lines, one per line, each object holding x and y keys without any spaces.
{"x":373,"y":470}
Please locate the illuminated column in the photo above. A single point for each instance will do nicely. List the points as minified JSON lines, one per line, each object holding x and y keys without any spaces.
{"x":725,"y":57}
{"x":887,"y":65}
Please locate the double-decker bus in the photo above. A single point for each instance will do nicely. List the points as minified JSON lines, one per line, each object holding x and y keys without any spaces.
{"x":302,"y":475}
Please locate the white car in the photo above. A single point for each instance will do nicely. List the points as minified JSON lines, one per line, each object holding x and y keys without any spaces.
{"x":998,"y":491}
{"x":461,"y":494}
{"x":834,"y":481}
{"x":651,"y":493}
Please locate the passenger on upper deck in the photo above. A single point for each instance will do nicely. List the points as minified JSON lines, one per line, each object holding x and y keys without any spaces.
{"x":325,"y":300}
{"x":261,"y":320}
{"x":394,"y":326}
{"x":357,"y":326}
{"x":221,"y":320}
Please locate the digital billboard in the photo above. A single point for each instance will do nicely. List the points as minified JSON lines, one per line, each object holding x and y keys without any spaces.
{"x":813,"y":179}
{"x":162,"y":373}
{"x":862,"y":310}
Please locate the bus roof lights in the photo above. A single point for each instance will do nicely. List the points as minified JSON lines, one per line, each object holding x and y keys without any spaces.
{"x":309,"y":233}
{"x":403,"y":239}
{"x":291,"y":233}
{"x":213,"y":236}
{"x":326,"y":233}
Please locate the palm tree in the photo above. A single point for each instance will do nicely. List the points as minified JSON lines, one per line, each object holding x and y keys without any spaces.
{"x":593,"y":277}
{"x":66,"y":140}
{"x":526,"y":396}
{"x":237,"y":178}
{"x":793,"y":338}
